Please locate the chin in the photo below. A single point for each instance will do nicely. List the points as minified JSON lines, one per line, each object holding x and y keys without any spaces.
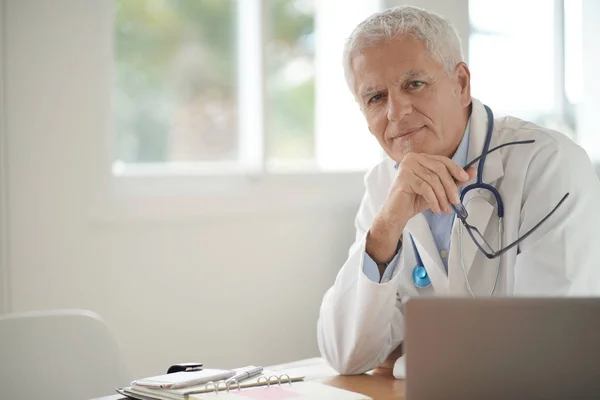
{"x":402,"y":148}
{"x":397,"y":155}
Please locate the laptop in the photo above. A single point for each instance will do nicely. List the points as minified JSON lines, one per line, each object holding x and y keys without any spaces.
{"x":502,"y":348}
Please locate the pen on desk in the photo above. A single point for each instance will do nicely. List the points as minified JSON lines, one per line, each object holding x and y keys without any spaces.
{"x":245,"y":375}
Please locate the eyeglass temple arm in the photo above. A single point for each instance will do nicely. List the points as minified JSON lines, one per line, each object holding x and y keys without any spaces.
{"x":519,"y":240}
{"x":496,"y":148}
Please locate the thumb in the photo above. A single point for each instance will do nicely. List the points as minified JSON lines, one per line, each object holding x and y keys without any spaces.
{"x":472,"y":171}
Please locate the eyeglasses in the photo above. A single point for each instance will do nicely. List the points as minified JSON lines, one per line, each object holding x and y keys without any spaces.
{"x":474,"y":233}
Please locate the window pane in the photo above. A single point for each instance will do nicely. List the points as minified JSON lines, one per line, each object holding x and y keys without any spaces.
{"x":290,"y":80}
{"x":511,"y":57}
{"x":343,"y":140}
{"x":175,"y":97}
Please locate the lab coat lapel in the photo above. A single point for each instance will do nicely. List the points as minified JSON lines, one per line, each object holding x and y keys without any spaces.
{"x":417,"y":226}
{"x":480,"y":212}
{"x":479,"y":203}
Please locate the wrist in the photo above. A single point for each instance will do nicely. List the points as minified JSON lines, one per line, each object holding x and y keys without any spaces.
{"x":383,"y":242}
{"x":383,"y":254}
{"x":396,"y":211}
{"x":388,"y":227}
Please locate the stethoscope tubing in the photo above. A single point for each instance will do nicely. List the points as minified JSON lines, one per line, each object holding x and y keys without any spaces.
{"x":419,"y":274}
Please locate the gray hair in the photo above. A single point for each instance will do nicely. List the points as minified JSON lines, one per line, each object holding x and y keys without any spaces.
{"x":440,"y":37}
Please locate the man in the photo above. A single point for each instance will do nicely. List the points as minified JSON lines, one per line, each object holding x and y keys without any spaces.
{"x":405,"y":67}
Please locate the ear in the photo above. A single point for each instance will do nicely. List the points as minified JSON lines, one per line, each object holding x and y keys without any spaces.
{"x":463,"y":78}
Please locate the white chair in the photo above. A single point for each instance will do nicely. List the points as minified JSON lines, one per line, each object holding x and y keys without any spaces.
{"x":58,"y":355}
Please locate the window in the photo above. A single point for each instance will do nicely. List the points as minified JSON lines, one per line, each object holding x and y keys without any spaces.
{"x":290,"y":53}
{"x":213,"y":85}
{"x":528,"y":67}
{"x":168,"y":100}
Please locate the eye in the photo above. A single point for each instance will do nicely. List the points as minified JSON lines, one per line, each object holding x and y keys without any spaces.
{"x":377,"y":97}
{"x":415,"y":84}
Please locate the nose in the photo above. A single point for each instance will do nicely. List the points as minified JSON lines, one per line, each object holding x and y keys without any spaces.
{"x":399,"y":106}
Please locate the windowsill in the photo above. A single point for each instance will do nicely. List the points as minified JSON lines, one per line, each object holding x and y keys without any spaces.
{"x":171,"y":198}
{"x":225,"y":168}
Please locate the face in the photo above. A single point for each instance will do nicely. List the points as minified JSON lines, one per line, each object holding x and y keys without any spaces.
{"x":411,"y":104}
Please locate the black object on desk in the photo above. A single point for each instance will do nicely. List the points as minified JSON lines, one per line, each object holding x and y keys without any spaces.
{"x":185,"y":367}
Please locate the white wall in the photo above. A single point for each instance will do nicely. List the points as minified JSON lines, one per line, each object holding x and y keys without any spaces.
{"x":173,"y":286}
{"x":4,"y":286}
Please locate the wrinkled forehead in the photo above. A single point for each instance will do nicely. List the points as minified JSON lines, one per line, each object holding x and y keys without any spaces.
{"x":391,"y":61}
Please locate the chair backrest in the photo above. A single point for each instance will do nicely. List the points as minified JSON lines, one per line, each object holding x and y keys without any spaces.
{"x":58,"y":354}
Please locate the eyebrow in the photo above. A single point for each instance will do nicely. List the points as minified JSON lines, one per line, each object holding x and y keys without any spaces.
{"x":413,"y":74}
{"x":369,"y":91}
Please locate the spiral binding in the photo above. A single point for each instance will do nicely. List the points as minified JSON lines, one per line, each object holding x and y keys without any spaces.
{"x":227,"y":385}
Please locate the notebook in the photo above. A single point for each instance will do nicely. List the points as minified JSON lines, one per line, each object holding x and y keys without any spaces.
{"x":267,"y":386}
{"x":266,"y":378}
{"x":184,"y":378}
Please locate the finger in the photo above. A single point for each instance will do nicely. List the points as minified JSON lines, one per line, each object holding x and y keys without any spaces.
{"x":433,"y":180}
{"x":472,"y":171}
{"x":429,"y":195}
{"x":422,"y":189}
{"x":455,"y":170}
{"x":441,"y":170}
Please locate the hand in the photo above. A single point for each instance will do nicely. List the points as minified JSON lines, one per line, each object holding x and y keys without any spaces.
{"x":423,"y":182}
{"x":426,"y":181}
{"x":391,"y":359}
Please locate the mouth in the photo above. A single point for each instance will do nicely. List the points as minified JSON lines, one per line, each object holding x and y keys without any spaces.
{"x":408,"y":133}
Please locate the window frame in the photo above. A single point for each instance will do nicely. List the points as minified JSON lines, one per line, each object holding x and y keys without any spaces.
{"x":251,"y":184}
{"x":252,"y":28}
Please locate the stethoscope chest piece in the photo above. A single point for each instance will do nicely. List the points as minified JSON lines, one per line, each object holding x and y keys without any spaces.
{"x":420,"y":276}
{"x":419,"y":273}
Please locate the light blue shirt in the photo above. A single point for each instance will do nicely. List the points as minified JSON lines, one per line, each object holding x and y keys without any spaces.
{"x":440,"y":225}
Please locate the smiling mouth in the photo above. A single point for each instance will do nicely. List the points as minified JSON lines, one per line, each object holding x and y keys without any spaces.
{"x":409,"y":133}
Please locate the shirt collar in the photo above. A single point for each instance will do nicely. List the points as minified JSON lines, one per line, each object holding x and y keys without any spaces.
{"x":460,"y":156}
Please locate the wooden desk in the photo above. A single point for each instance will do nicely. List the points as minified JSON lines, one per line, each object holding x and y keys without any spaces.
{"x":379,"y":384}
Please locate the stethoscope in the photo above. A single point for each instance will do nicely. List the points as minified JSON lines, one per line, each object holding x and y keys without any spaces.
{"x":419,"y":273}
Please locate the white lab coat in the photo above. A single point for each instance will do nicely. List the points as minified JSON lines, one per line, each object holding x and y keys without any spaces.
{"x":361,"y":321}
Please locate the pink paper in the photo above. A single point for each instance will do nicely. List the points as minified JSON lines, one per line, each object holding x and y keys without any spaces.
{"x":267,"y":393}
